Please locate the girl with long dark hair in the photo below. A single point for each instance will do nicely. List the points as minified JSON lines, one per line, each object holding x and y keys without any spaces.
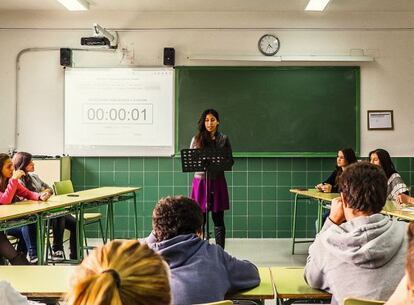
{"x":11,"y":191}
{"x":395,"y":185}
{"x":23,"y":161}
{"x":345,"y":157}
{"x":208,"y":137}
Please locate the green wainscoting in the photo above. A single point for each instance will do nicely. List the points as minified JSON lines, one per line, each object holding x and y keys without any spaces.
{"x":261,"y":205}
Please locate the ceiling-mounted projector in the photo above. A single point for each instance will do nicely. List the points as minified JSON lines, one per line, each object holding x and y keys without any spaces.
{"x":101,"y":37}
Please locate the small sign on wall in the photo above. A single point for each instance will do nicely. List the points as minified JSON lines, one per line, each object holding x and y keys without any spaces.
{"x":380,"y":120}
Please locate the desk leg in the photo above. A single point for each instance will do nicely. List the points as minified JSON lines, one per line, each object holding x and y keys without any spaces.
{"x":111,"y":219}
{"x":295,"y":209}
{"x":320,"y":212}
{"x":40,"y":239}
{"x":80,"y":222}
{"x":136,"y":215}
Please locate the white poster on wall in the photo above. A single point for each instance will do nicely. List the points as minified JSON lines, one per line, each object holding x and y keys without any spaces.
{"x":119,"y":111}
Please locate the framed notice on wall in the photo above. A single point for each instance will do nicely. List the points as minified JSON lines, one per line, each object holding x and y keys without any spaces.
{"x":380,"y":120}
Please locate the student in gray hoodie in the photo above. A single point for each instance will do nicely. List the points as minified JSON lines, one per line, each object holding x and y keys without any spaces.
{"x":200,"y":272}
{"x":359,"y":252}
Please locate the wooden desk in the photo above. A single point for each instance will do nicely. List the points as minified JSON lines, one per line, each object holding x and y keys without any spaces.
{"x":290,"y":284}
{"x":301,"y":194}
{"x":38,"y":281}
{"x":10,"y":213}
{"x":261,"y":292}
{"x":393,"y":208}
{"x":53,"y":282}
{"x":107,"y":195}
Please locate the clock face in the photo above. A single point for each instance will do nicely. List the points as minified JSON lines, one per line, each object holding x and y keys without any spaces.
{"x":269,"y":44}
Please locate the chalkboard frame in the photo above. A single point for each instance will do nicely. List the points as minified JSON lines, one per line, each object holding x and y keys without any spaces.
{"x":311,"y":154}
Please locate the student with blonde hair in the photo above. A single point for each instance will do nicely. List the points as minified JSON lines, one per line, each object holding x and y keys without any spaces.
{"x":121,"y":273}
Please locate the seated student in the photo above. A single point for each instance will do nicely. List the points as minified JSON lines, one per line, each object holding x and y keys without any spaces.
{"x":23,"y":161}
{"x":345,"y":157}
{"x":200,"y":272}
{"x":404,"y":294}
{"x":395,"y":185}
{"x":122,"y":273}
{"x":11,"y":191}
{"x":359,"y":252}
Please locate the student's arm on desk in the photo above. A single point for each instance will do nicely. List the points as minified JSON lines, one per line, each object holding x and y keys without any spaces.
{"x":241,"y":274}
{"x":15,"y":188}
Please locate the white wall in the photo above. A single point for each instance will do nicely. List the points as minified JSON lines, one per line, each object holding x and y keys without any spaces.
{"x":385,"y":83}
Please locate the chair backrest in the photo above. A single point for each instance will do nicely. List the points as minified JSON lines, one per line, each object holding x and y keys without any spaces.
{"x":225,"y":302}
{"x":63,"y":187}
{"x":355,"y":301}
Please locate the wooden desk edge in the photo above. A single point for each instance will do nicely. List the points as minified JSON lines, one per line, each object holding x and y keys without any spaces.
{"x":240,"y":295}
{"x":318,"y":294}
{"x":44,"y":295}
{"x":304,"y":296}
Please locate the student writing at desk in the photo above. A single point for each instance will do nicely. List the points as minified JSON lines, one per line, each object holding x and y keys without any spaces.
{"x":23,"y":161}
{"x":11,"y":191}
{"x":395,"y":184}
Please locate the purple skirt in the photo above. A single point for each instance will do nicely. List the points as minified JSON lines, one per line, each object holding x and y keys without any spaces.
{"x":220,"y":198}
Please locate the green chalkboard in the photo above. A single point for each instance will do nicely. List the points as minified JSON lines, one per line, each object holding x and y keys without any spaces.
{"x":273,"y":111}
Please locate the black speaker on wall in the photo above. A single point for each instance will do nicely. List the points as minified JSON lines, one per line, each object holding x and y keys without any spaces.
{"x":169,"y":56}
{"x":66,"y":57}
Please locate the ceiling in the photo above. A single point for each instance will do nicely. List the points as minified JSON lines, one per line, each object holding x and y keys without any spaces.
{"x":215,"y":5}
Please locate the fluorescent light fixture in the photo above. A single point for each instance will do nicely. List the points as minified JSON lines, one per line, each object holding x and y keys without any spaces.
{"x":316,"y":5}
{"x":75,"y":5}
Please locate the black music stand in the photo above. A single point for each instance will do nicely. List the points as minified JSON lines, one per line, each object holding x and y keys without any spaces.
{"x":207,"y":161}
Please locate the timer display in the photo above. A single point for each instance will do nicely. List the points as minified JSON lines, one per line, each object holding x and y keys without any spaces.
{"x":118,"y":113}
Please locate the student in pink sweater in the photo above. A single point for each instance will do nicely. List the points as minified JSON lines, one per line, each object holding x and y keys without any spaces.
{"x":11,"y":191}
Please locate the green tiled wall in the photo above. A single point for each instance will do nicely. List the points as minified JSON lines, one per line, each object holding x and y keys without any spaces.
{"x":261,"y":205}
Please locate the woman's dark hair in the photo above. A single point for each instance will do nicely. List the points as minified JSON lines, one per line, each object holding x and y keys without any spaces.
{"x":385,"y":161}
{"x":364,"y":187}
{"x":21,"y":160}
{"x":203,"y":137}
{"x":176,"y":215}
{"x":349,"y":156}
{"x":3,"y":181}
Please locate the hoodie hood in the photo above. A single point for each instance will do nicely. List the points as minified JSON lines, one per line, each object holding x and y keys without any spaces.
{"x":367,"y":242}
{"x":176,"y":251}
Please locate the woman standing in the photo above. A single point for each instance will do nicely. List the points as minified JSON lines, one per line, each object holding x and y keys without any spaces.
{"x":208,"y":137}
{"x":395,"y":185}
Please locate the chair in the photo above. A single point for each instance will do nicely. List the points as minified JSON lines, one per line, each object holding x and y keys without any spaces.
{"x":66,"y":187}
{"x":355,"y":301}
{"x":225,"y":302}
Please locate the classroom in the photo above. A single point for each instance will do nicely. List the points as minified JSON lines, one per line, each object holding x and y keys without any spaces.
{"x":286,"y":114}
